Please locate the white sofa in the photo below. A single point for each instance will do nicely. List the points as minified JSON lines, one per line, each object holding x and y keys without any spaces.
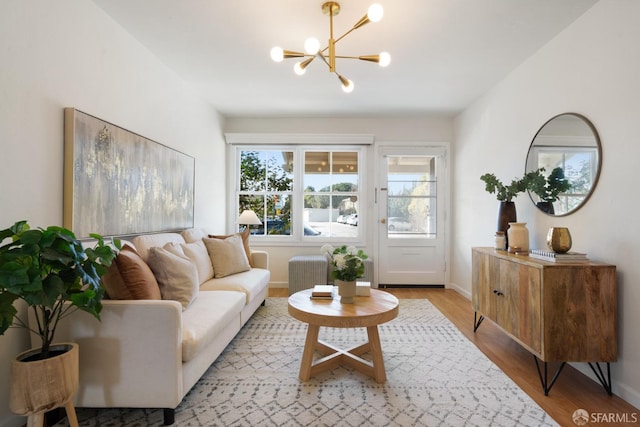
{"x":149,"y":353}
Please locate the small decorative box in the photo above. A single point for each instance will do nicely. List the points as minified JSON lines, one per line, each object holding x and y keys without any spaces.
{"x":363,"y":289}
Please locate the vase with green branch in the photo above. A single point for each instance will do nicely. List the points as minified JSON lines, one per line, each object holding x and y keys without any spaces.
{"x":505,"y":195}
{"x":548,"y":188}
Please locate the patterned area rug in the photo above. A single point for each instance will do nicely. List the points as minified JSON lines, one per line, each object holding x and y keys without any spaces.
{"x":435,"y":377}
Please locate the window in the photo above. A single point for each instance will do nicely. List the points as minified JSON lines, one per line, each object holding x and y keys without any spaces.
{"x":331,"y":192}
{"x":411,"y":196}
{"x":301,"y":193}
{"x":266,"y":187}
{"x":579,"y":165}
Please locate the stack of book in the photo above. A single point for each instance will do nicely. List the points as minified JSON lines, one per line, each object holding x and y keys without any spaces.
{"x":567,"y":257}
{"x":322,"y":292}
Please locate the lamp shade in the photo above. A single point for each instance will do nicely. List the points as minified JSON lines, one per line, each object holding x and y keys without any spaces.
{"x":249,"y":217}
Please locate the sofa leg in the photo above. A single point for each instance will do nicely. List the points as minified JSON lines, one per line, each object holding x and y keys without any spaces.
{"x":169,"y":416}
{"x":264,"y":302}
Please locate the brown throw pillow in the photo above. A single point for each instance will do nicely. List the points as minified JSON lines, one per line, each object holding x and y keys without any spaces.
{"x":131,"y":277}
{"x":228,"y":255}
{"x":245,"y":242}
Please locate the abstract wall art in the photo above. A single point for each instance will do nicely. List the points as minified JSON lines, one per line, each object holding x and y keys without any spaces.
{"x":119,"y":183}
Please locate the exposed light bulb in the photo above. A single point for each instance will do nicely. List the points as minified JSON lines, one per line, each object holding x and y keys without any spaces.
{"x":375,"y":12}
{"x":298,"y":69}
{"x":348,"y":88}
{"x":311,"y":45}
{"x":385,"y":59}
{"x":277,"y":54}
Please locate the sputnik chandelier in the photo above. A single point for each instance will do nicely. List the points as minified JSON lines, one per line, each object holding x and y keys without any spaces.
{"x":328,"y":54}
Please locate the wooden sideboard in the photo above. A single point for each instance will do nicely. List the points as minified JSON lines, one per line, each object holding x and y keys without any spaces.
{"x":560,"y":312}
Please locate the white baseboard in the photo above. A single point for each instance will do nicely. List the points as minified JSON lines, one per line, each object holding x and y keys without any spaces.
{"x":627,"y":393}
{"x":465,"y":293}
{"x":274,"y":285}
{"x":620,"y":389}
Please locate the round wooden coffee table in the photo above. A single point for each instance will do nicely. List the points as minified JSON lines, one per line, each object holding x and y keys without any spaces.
{"x":366,"y":312}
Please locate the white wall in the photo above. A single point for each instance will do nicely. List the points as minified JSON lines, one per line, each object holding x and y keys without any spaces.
{"x":592,"y":68}
{"x":69,"y":53}
{"x":386,"y":130}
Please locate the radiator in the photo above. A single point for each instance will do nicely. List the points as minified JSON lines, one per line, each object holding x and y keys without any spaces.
{"x":306,"y":271}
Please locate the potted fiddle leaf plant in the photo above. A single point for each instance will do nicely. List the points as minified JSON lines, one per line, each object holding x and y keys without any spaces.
{"x":505,"y":195}
{"x":50,"y":271}
{"x":548,"y":188}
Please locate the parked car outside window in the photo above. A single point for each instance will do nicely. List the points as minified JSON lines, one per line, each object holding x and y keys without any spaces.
{"x":310,"y":231}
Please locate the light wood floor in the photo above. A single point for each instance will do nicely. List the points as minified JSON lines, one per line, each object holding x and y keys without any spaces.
{"x":572,"y":390}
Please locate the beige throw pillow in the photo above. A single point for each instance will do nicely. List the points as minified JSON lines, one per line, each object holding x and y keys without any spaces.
{"x":245,"y":241}
{"x":198,"y":254}
{"x":176,"y":275}
{"x":228,"y":256}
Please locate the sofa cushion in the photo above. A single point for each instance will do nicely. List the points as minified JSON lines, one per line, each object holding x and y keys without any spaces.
{"x":146,"y":241}
{"x":228,"y":255}
{"x":251,"y":282}
{"x":175,"y":248}
{"x":198,"y":254}
{"x":176,"y":275}
{"x":129,"y":277}
{"x":206,"y":317}
{"x":193,"y":235}
{"x":245,"y":242}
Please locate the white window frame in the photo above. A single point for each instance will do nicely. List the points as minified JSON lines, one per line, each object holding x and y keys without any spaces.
{"x":298,"y":143}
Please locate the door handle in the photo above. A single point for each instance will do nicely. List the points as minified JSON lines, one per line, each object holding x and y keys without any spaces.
{"x":383,"y":221}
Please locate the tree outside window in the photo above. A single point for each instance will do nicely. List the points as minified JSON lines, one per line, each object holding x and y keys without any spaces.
{"x":328,"y":192}
{"x":266,"y":186}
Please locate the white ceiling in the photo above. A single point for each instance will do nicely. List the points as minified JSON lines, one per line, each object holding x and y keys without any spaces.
{"x":445,"y":53}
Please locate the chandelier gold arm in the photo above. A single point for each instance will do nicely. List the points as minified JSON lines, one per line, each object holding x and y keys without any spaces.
{"x":292,"y":54}
{"x":370,"y":58}
{"x":332,"y":8}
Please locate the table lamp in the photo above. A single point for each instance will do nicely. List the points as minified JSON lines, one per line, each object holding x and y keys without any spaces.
{"x":248,"y":218}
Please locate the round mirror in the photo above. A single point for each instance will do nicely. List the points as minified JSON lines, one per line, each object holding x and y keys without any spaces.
{"x":568,"y":148}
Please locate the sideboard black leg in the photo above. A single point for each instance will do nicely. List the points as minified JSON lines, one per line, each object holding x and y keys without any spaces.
{"x":477,"y":321}
{"x":606,"y":382}
{"x":546,"y":385}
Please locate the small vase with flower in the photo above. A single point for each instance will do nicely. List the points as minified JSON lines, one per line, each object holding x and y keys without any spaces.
{"x":348,"y":265}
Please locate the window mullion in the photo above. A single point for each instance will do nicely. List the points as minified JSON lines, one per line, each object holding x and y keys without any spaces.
{"x":286,"y":208}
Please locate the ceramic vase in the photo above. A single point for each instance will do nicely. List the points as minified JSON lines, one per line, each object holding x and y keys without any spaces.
{"x":546,"y":207}
{"x":346,"y":290}
{"x":559,"y":239}
{"x":518,"y":237}
{"x":506,"y":215}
